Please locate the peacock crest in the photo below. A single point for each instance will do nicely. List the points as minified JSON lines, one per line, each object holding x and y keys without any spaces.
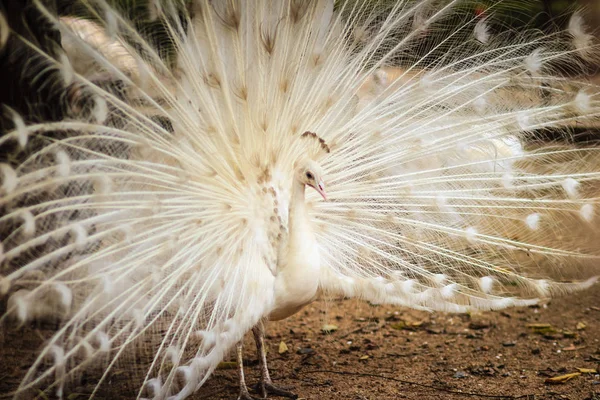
{"x":317,"y":147}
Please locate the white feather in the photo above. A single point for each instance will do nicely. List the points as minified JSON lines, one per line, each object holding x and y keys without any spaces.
{"x":5,"y":283}
{"x":103,"y":341}
{"x":534,"y":62}
{"x":9,"y":178}
{"x":448,"y":291}
{"x":587,"y":212}
{"x":63,"y":163}
{"x":102,"y":185}
{"x":507,"y":180}
{"x":533,"y":221}
{"x":139,"y":318}
{"x":66,"y":69}
{"x":65,"y":295}
{"x":80,"y":235}
{"x":582,"y":101}
{"x":155,"y":386}
{"x":19,"y":303}
{"x":111,"y":22}
{"x":582,"y":40}
{"x":471,"y":234}
{"x":100,"y":111}
{"x":28,"y":227}
{"x":58,"y":353}
{"x":481,"y":31}
{"x":20,"y":131}
{"x":4,"y":31}
{"x":570,"y":186}
{"x":542,"y":286}
{"x":480,"y":104}
{"x":185,"y":209}
{"x":486,"y":283}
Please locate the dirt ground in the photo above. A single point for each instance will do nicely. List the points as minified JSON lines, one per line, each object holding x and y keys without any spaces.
{"x":383,"y":352}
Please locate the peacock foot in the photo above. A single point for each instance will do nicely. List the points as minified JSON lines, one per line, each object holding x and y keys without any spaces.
{"x":245,"y":395}
{"x":266,"y":388}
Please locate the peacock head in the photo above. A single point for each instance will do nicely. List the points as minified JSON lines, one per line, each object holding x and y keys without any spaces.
{"x":310,"y":174}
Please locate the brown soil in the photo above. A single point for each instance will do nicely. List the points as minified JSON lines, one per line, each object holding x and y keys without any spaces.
{"x":384,"y":352}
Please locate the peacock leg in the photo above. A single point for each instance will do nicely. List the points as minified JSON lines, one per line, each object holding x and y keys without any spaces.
{"x":265,"y":385}
{"x":244,"y":394}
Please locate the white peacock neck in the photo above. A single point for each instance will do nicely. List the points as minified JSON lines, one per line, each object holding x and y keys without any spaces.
{"x":301,"y":236}
{"x":299,"y":263}
{"x":298,"y":220}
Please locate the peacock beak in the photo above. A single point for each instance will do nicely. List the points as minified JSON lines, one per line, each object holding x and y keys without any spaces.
{"x":321,"y":189}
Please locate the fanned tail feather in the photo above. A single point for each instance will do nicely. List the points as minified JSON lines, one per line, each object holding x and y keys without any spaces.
{"x":158,"y":204}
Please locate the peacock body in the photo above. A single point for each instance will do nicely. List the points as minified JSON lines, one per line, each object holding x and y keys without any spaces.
{"x":179,"y":199}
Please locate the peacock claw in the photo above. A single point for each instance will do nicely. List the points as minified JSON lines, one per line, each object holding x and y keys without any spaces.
{"x":245,"y":395}
{"x":266,"y":388}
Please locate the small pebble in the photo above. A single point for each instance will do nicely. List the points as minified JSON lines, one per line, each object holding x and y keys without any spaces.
{"x":476,"y":325}
{"x":460,"y":375}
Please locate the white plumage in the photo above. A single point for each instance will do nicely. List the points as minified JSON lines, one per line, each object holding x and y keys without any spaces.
{"x":180,"y":201}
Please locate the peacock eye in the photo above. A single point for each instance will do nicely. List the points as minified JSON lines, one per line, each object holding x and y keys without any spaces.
{"x":309,"y":175}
